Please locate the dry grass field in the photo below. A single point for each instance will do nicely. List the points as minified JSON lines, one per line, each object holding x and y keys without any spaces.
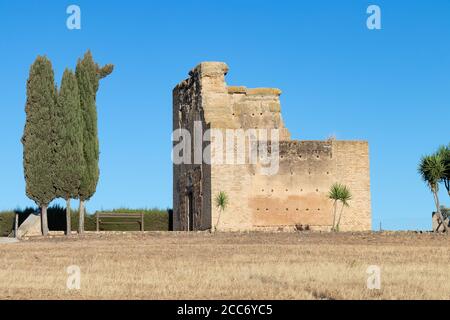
{"x":158,"y":265}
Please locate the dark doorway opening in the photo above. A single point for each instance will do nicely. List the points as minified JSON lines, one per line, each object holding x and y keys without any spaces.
{"x":190,"y":213}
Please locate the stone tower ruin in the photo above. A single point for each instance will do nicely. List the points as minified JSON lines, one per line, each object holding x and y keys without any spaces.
{"x":296,"y":195}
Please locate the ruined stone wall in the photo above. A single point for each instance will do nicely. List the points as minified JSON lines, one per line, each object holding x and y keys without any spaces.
{"x":191,"y":181}
{"x":297,"y":194}
{"x":353,"y":169}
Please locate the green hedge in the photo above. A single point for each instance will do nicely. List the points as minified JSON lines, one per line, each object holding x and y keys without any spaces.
{"x":154,"y":220}
{"x":6,"y":223}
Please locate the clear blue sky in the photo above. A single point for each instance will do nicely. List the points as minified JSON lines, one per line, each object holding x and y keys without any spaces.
{"x":391,"y":87}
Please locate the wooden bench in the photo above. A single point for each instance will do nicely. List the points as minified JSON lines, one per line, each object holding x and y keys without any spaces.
{"x":138,"y":217}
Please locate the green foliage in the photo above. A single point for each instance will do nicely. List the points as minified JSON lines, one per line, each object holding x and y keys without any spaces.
{"x":340,"y":192}
{"x":6,"y":223}
{"x":445,"y":212}
{"x":88,"y":75}
{"x":221,"y":200}
{"x":444,"y":153}
{"x":37,"y":140}
{"x":154,"y":220}
{"x":105,"y":71}
{"x":69,"y":159}
{"x":432,"y":170}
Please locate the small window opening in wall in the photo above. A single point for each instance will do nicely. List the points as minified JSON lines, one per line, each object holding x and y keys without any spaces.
{"x":271,"y":190}
{"x":307,"y":209}
{"x":262,"y":190}
{"x":300,"y":156}
{"x":233,"y":114}
{"x":257,"y":209}
{"x":301,"y":190}
{"x":328,"y":172}
{"x":317,"y":190}
{"x":318,"y":209}
{"x":287,"y":190}
{"x":296,"y":209}
{"x":253,"y":114}
{"x":267,"y":209}
{"x":260,"y":114}
{"x":287,"y":209}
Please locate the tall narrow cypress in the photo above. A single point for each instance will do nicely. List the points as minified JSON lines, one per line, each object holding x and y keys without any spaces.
{"x":88,"y":75}
{"x":69,"y":159}
{"x":37,"y":140}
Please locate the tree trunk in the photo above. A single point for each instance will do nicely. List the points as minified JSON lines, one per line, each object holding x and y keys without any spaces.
{"x":44,"y":221}
{"x":340,"y":216}
{"x":438,"y":211}
{"x":81,"y":217}
{"x":334,"y":214}
{"x":218,"y":220}
{"x":68,"y":218}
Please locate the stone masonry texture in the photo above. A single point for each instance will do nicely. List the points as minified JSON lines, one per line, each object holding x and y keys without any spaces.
{"x":296,"y":195}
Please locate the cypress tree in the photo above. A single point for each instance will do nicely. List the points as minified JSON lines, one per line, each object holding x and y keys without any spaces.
{"x":37,"y":138}
{"x":69,"y":159}
{"x":88,"y":75}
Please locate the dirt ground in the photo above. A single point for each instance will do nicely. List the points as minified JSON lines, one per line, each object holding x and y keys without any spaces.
{"x":169,"y":265}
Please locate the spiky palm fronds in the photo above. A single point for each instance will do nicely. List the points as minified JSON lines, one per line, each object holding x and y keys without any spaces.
{"x":339,"y":193}
{"x":444,"y":153}
{"x":432,"y":170}
{"x":221,"y":201}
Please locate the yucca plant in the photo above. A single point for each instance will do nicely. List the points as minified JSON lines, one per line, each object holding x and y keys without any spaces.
{"x":444,"y":153}
{"x":221,"y":201}
{"x":433,"y":169}
{"x":339,"y":193}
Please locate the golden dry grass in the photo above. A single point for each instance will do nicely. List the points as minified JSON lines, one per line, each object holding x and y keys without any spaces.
{"x":228,"y":266}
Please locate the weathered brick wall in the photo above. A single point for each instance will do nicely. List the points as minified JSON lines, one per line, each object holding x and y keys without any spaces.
{"x":191,"y":181}
{"x":353,"y":169}
{"x":297,"y":194}
{"x":255,"y":109}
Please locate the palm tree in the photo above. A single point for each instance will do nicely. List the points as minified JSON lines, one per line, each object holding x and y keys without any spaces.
{"x":334,"y":195}
{"x":444,"y":152}
{"x":221,"y":204}
{"x":346,"y":196}
{"x":339,"y":193}
{"x":432,"y":169}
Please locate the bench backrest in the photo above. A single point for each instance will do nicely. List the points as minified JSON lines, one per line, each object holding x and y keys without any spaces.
{"x":119,"y":215}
